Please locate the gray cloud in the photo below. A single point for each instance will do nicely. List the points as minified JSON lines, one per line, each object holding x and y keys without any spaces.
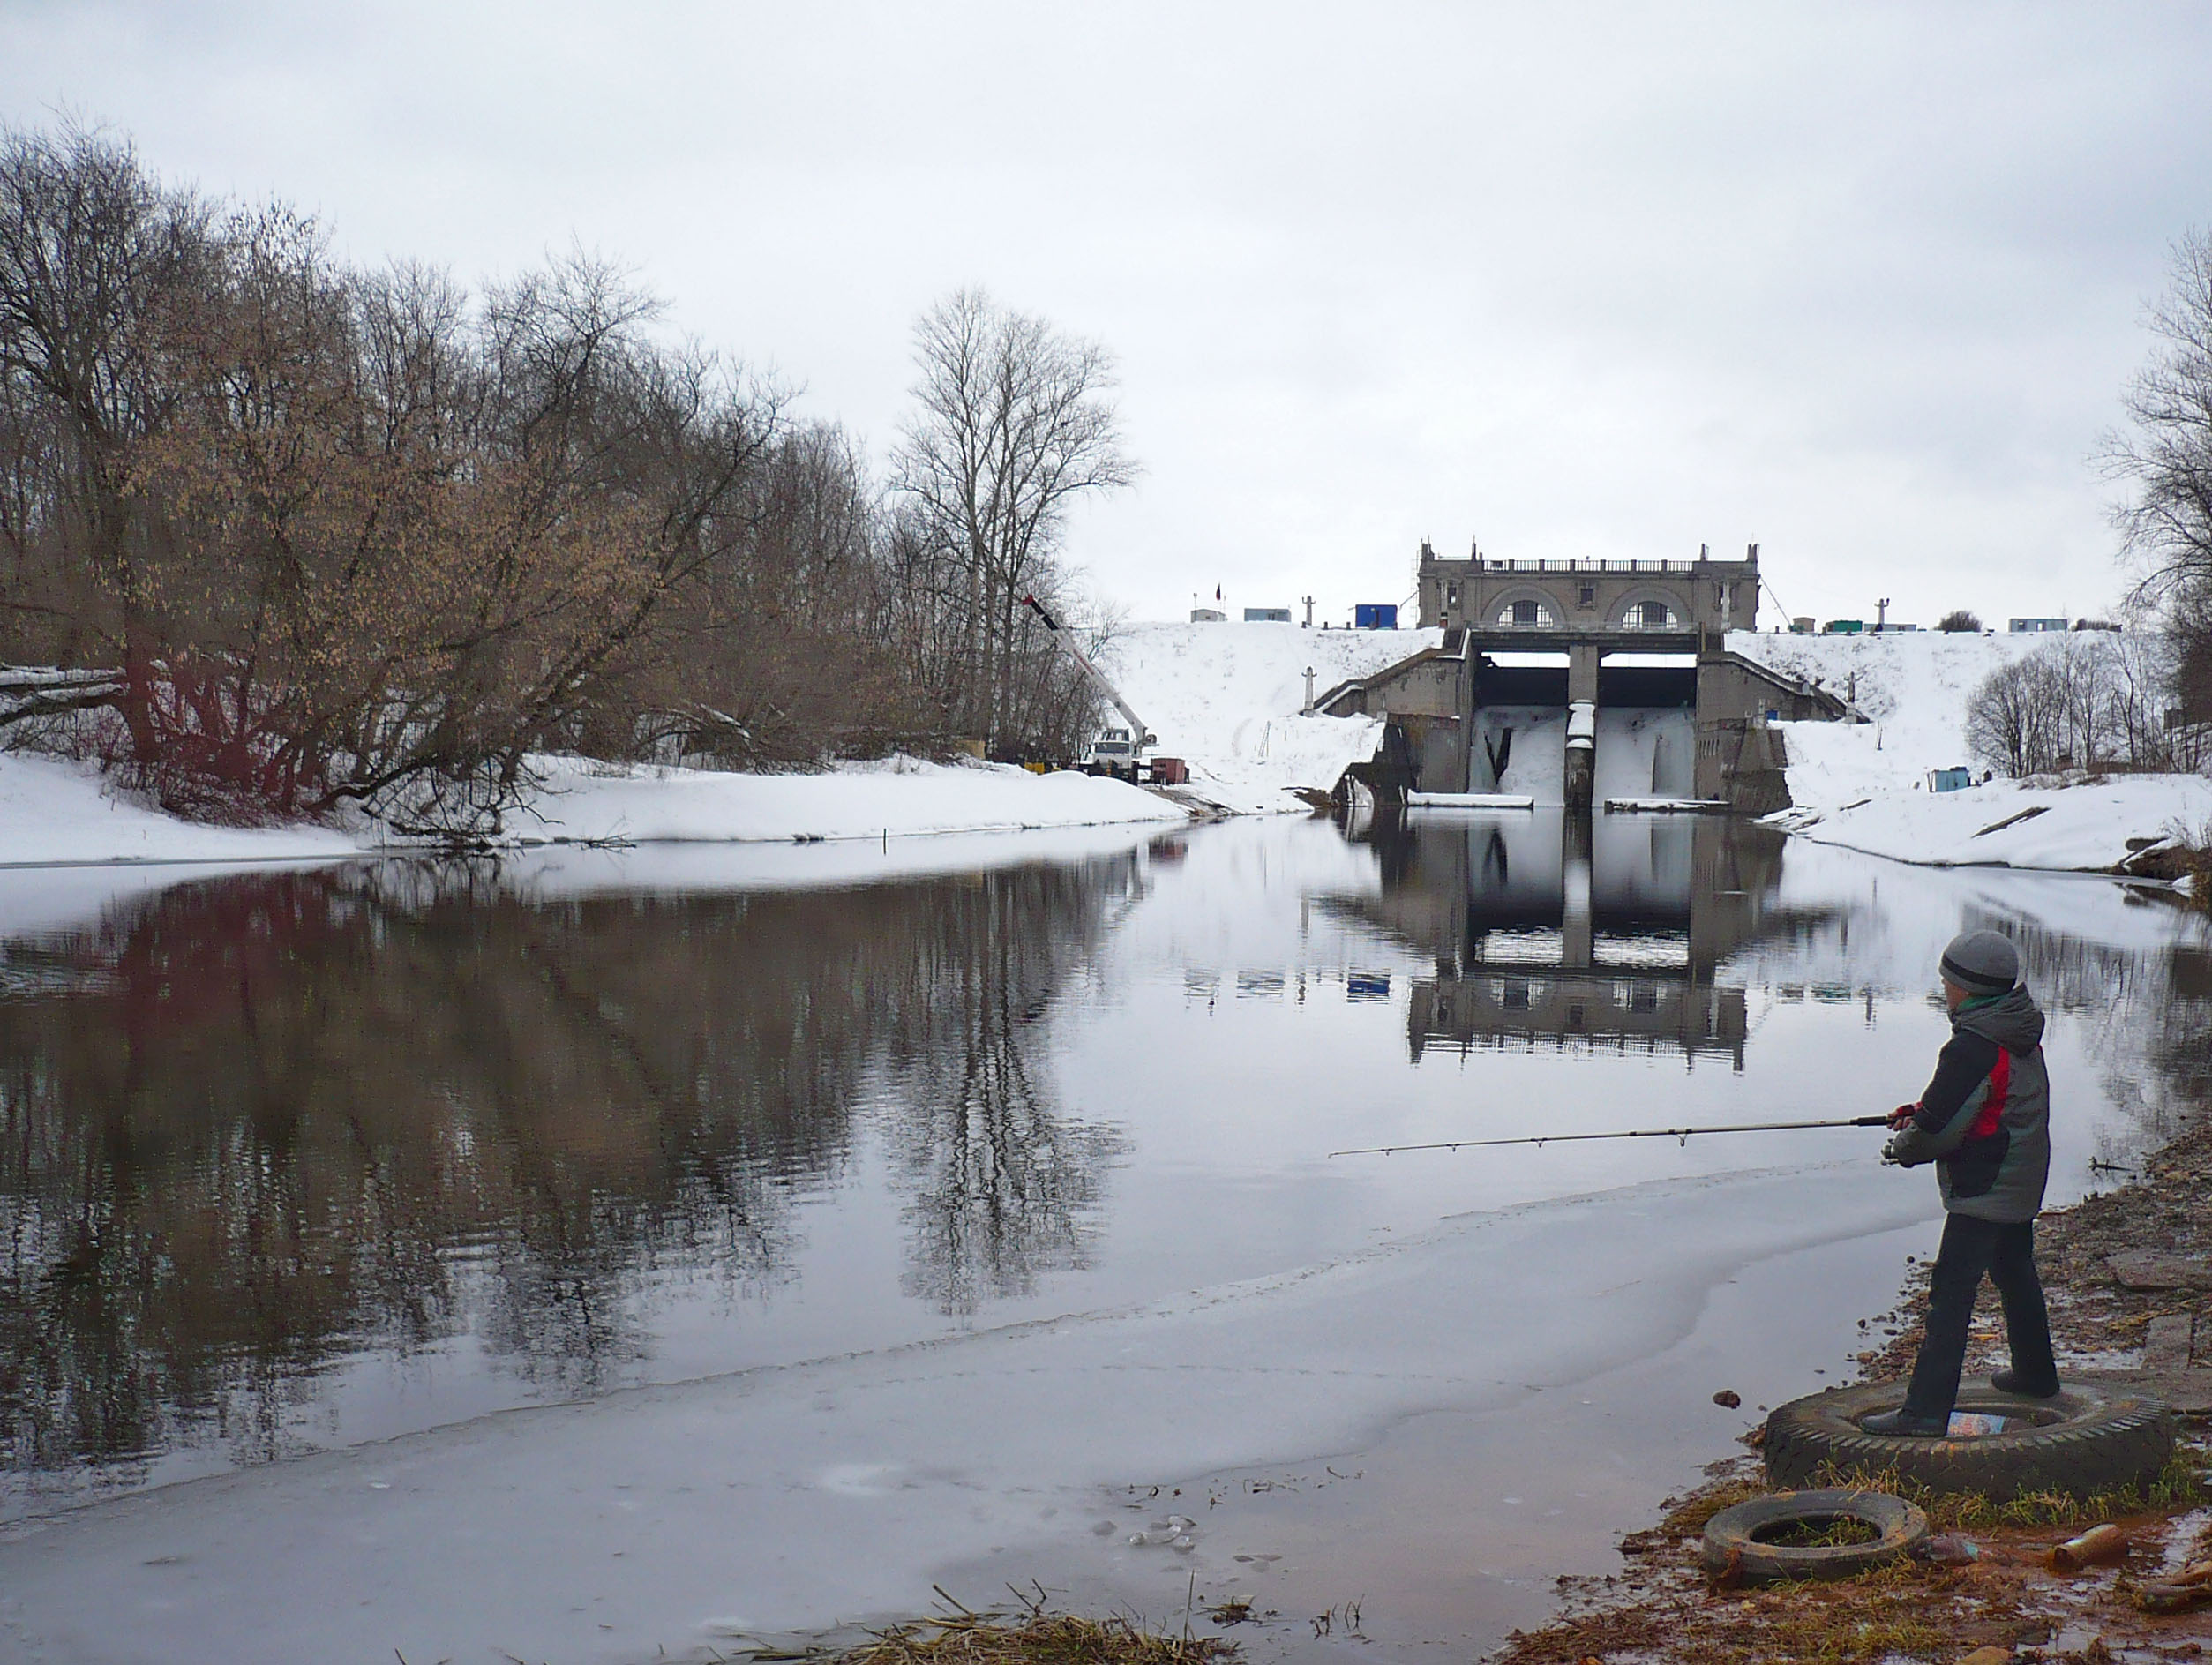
{"x":1861,"y":283}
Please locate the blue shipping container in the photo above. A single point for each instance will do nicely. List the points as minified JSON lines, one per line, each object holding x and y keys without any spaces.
{"x":1374,"y":615}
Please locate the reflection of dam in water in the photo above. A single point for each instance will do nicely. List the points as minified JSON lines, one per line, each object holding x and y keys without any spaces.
{"x":1567,"y":932}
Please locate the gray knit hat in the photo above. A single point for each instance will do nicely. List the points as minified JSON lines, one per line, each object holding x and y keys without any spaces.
{"x":1981,"y":962}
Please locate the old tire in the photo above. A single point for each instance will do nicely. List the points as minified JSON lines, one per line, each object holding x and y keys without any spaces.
{"x":1735,"y":1538}
{"x":2089,"y":1439}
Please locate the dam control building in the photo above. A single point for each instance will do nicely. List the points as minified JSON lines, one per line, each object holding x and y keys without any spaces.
{"x":1630,"y":655}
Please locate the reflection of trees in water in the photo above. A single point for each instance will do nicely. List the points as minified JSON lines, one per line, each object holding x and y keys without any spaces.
{"x":1001,"y":1188}
{"x":2147,"y":1014}
{"x":259,"y":1125}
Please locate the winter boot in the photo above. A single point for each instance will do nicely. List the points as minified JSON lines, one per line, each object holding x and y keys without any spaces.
{"x":1910,"y":1424}
{"x":2009,"y":1381}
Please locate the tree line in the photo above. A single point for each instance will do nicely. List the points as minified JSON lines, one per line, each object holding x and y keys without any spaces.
{"x":289,"y":534}
{"x":2086,"y":699}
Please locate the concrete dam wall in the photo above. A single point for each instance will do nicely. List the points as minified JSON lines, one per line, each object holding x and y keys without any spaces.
{"x":1649,"y":753}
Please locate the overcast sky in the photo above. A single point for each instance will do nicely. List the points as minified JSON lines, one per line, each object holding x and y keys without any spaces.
{"x":1861,"y":282}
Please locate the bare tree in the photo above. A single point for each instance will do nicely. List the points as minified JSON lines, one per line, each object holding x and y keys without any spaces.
{"x":1014,"y":425}
{"x":1960,"y":622}
{"x":2140,"y":671}
{"x":2007,"y":718}
{"x":2166,"y":456}
{"x":2091,"y":700}
{"x":94,"y":252}
{"x":2166,"y":461}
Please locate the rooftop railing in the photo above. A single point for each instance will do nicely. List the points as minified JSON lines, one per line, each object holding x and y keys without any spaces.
{"x":1490,"y":566}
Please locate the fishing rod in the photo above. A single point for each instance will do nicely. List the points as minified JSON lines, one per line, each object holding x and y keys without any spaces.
{"x":1681,"y":1133}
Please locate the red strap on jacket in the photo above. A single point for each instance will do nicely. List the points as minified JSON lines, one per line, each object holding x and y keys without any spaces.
{"x":1992,"y":1109}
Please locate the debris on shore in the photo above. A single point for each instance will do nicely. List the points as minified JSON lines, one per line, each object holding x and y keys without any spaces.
{"x":2129,"y":1273}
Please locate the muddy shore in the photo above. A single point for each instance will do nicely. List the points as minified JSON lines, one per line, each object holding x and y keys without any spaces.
{"x":2126,"y":1271}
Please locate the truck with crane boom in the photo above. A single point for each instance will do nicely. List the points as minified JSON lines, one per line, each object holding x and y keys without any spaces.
{"x":1118,"y":752}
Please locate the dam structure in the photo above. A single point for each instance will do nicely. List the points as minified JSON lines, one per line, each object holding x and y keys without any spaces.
{"x":1584,"y":682}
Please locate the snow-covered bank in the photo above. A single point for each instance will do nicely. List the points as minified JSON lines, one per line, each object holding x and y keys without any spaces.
{"x":2088,"y":827}
{"x":900,"y":797}
{"x":694,"y":1517}
{"x":54,"y":812}
{"x":1865,"y":786}
{"x":1226,"y":697}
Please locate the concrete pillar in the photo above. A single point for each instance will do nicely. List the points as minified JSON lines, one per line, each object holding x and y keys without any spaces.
{"x":1582,"y":756}
{"x":1582,"y":726}
{"x":1582,"y":673}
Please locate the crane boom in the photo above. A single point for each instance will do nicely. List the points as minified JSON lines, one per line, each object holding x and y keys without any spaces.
{"x":1142,"y":735}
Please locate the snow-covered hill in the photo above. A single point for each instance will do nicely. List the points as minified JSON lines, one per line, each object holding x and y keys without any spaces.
{"x":1865,"y":785}
{"x":1915,"y":689}
{"x":1225,"y":698}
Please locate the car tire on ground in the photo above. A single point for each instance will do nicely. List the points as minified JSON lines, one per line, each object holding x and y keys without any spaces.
{"x":2090,"y":1438}
{"x":1735,"y":1540}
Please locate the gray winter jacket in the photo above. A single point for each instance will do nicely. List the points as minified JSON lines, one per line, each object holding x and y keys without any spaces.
{"x":1985,"y":1119}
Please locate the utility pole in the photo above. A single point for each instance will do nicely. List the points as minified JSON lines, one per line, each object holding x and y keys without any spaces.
{"x":1309,"y":600}
{"x":1308,"y":711}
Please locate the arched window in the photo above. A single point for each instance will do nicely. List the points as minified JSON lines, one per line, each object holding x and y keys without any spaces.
{"x":1526,"y":615}
{"x":1649,"y":615}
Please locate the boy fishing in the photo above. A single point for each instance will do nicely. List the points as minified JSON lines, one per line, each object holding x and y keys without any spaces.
{"x":1985,"y":1121}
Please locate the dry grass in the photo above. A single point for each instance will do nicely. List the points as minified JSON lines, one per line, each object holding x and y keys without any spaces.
{"x":1032,"y":1636}
{"x":1905,"y":1609}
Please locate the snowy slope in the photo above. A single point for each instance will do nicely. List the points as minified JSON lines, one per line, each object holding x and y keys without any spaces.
{"x":1915,"y":689}
{"x":1225,"y":698}
{"x":1865,"y":785}
{"x":55,"y":813}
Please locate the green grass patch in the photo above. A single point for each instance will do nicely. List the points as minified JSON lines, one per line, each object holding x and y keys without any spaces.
{"x":2180,"y":1485}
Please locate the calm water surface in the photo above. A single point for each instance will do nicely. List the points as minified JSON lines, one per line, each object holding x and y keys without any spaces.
{"x":302,"y":1158}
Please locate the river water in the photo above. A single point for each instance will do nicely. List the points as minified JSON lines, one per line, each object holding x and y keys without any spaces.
{"x":300,"y":1158}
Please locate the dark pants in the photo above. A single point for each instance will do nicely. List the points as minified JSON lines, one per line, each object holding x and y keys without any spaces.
{"x":2007,"y":1254}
